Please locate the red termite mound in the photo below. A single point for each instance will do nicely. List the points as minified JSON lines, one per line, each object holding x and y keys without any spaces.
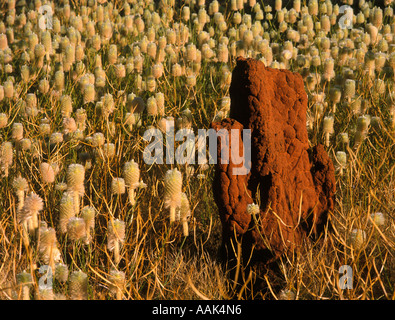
{"x":293,"y":185}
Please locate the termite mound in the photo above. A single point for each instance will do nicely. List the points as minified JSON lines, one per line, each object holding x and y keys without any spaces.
{"x":293,"y":184}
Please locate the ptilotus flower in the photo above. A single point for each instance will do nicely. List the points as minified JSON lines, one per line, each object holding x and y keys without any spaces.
{"x":17,"y":131}
{"x":172,"y":196}
{"x":223,"y":53}
{"x":56,"y":138}
{"x":89,"y":93}
{"x":48,"y":247}
{"x":117,"y":282}
{"x":377,"y":17}
{"x":61,"y":272}
{"x":373,"y":32}
{"x":47,"y":172}
{"x":379,"y":87}
{"x":151,"y":50}
{"x":3,"y":120}
{"x":108,"y":104}
{"x":380,"y":59}
{"x":363,"y":123}
{"x":112,"y":54}
{"x":191,"y":81}
{"x":328,"y":129}
{"x":378,"y":218}
{"x":120,"y":71}
{"x":66,"y":210}
{"x":349,"y":89}
{"x":80,"y":119}
{"x":66,"y":105}
{"x":75,"y":183}
{"x":157,"y":70}
{"x":69,"y":126}
{"x":139,"y":24}
{"x":25,"y":73}
{"x":131,"y":174}
{"x":344,"y":139}
{"x":109,"y":150}
{"x":76,"y":229}
{"x":44,"y":293}
{"x":78,"y":286}
{"x":59,"y":80}
{"x":32,"y":206}
{"x":152,"y":107}
{"x":31,"y":101}
{"x":115,"y":236}
{"x":176,"y":70}
{"x":43,"y":86}
{"x":253,"y":209}
{"x":46,"y":40}
{"x":341,"y":158}
{"x":25,"y":281}
{"x":286,"y":294}
{"x":151,"y":84}
{"x":160,"y":102}
{"x":329,"y":72}
{"x":20,"y":186}
{"x":3,"y":41}
{"x":335,"y":96}
{"x":106,"y":30}
{"x":88,"y":213}
{"x":357,"y":238}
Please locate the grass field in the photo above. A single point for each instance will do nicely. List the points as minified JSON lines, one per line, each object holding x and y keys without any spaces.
{"x":80,"y":88}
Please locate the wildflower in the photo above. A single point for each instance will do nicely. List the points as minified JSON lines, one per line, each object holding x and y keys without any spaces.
{"x":66,"y":210}
{"x":3,"y":120}
{"x":17,"y":131}
{"x":173,"y":184}
{"x":341,"y":158}
{"x":253,"y":209}
{"x":88,"y":93}
{"x":26,"y":281}
{"x":131,"y":174}
{"x":328,"y":129}
{"x":358,"y":238}
{"x":76,"y":228}
{"x":152,"y":107}
{"x":48,"y":247}
{"x":116,"y":235}
{"x":75,"y":183}
{"x":78,"y":285}
{"x":117,"y":281}
{"x":61,"y":272}
{"x":378,"y":218}
{"x":47,"y":173}
{"x":88,"y":214}
{"x":33,"y":204}
{"x":6,"y":156}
